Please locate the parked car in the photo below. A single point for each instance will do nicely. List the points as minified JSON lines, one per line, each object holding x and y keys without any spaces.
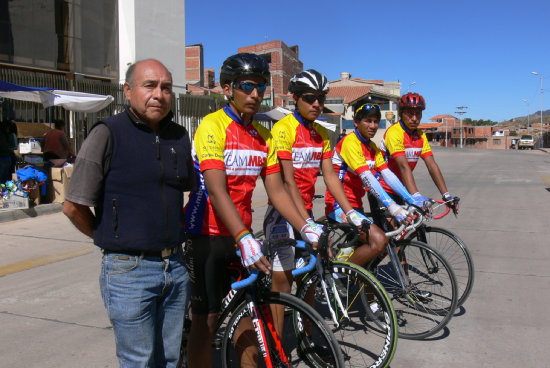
{"x":526,"y":142}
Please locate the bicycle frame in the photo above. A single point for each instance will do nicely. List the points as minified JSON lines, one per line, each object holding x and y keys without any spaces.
{"x":259,"y":316}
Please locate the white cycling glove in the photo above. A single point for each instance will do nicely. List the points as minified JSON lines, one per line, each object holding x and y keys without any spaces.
{"x":356,"y":218}
{"x":251,"y":249}
{"x":311,"y":232}
{"x":398,"y":212}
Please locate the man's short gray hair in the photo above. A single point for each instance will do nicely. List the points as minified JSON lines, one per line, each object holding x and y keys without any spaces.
{"x":132,"y":68}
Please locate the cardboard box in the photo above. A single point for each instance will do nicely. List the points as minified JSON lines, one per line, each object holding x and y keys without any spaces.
{"x":36,"y":160}
{"x":14,"y":202}
{"x":58,"y":182}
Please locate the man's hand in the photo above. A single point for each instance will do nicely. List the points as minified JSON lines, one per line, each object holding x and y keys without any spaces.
{"x":311,"y":233}
{"x":251,"y":253}
{"x":400,"y":213}
{"x":420,"y":201}
{"x":355,"y":218}
{"x":451,"y":201}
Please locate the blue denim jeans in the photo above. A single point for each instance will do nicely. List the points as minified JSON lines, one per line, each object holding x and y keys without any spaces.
{"x":146,"y":298}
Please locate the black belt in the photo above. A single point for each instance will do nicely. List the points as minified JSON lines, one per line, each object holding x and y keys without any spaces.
{"x":165,"y":253}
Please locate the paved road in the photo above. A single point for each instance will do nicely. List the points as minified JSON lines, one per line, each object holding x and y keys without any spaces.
{"x":52,"y":315}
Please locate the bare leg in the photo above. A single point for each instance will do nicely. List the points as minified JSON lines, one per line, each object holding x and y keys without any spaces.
{"x":367,"y":251}
{"x":281,"y":282}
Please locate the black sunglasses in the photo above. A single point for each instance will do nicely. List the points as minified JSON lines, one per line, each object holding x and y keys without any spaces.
{"x":312,"y":98}
{"x":248,"y":87}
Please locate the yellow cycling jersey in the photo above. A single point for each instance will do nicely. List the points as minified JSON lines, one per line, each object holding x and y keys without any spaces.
{"x":243,"y":152}
{"x":306,"y":144}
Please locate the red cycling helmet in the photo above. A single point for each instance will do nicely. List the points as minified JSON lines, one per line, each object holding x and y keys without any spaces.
{"x":413,"y":100}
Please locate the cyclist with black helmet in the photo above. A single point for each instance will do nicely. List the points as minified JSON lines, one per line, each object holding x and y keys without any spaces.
{"x":230,"y":150}
{"x":303,"y":147}
{"x":404,"y":144}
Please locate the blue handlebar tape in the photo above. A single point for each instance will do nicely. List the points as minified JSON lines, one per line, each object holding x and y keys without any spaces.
{"x":246,"y":282}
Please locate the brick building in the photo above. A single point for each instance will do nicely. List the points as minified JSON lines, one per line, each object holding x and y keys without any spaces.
{"x":194,"y":64}
{"x":283,"y":62}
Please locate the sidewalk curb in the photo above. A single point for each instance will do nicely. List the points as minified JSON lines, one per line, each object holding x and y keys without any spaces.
{"x":42,"y":209}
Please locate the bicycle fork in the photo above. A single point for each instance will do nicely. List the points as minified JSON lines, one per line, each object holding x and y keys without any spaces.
{"x":404,"y":281}
{"x":324,"y":286}
{"x":261,"y":336}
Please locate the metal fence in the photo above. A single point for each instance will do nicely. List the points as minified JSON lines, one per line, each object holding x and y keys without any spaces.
{"x":188,"y":110}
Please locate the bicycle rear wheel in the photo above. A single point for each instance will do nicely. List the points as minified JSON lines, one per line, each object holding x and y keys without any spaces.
{"x":429,"y":299}
{"x":367,"y":337}
{"x":314,"y":346}
{"x":455,"y":251}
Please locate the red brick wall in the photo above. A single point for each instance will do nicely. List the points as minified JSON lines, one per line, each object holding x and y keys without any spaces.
{"x":284,"y":64}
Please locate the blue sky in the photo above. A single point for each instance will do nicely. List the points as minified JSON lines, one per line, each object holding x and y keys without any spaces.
{"x":478,"y":54}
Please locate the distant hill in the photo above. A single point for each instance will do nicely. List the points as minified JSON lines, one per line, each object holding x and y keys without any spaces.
{"x":534,"y":118}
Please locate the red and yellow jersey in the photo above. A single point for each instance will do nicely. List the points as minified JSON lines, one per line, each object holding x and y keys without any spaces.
{"x":401,"y":141}
{"x":306,"y":145}
{"x":244,"y":153}
{"x":352,"y":156}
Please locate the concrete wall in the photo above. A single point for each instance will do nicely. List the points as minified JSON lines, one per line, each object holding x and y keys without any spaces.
{"x":155,"y":30}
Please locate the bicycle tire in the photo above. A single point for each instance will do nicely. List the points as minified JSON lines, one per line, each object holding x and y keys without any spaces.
{"x":365,"y":340}
{"x":455,"y":251}
{"x":324,"y":352}
{"x":420,"y":316}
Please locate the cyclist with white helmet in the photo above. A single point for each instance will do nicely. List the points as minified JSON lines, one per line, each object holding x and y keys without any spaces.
{"x":230,"y":151}
{"x":303,"y":147}
{"x":404,"y":144}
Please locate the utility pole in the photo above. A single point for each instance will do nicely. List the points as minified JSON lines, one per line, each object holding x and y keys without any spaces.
{"x":460,"y":112}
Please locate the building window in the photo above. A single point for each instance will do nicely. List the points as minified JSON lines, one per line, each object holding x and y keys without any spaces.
{"x":496,"y":142}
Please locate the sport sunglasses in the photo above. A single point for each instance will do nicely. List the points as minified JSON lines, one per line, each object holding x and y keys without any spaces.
{"x":248,"y":87}
{"x":312,"y":98}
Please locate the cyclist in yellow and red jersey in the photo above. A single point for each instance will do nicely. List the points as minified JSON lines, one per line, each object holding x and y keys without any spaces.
{"x":303,"y":147}
{"x":230,"y":151}
{"x":404,"y":144}
{"x":358,"y":162}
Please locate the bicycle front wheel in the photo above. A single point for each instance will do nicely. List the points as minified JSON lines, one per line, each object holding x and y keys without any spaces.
{"x":362,"y":317}
{"x":306,"y":340}
{"x":455,"y":251}
{"x":423,"y":290}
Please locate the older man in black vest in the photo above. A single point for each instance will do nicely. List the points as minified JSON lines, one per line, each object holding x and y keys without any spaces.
{"x":133,"y":168}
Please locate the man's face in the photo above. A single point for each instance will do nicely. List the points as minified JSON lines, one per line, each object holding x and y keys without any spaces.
{"x":151,"y":94}
{"x":368,"y":126}
{"x":247,"y":103}
{"x":411,"y":117}
{"x":309,"y":108}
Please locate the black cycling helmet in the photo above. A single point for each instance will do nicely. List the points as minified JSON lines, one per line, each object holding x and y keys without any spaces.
{"x":413,"y":100}
{"x":245,"y":64}
{"x":310,"y":80}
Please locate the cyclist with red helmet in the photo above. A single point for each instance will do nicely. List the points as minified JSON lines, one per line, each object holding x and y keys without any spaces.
{"x":303,"y":147}
{"x":230,"y":151}
{"x":404,"y":144}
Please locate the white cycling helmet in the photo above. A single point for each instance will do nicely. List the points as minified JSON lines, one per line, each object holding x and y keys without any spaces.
{"x":309,"y":80}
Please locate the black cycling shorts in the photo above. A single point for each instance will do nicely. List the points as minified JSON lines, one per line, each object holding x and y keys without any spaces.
{"x":207,"y":259}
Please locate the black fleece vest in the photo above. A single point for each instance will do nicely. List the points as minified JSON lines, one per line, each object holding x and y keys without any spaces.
{"x":142,"y":206}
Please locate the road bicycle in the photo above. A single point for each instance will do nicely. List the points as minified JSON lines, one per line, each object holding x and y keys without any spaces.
{"x":418,"y":279}
{"x":246,"y":326}
{"x":354,"y":304}
{"x":449,"y":245}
